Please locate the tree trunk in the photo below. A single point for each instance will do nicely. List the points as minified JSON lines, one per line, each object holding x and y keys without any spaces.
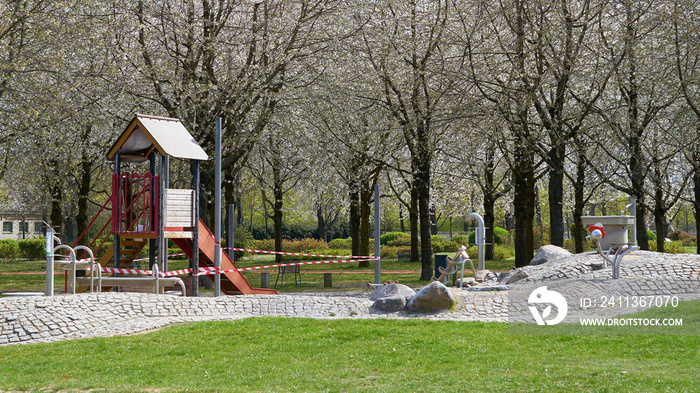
{"x":659,"y":211}
{"x":413,"y":220}
{"x":579,"y":203}
{"x":277,"y":219}
{"x":229,"y":198}
{"x":696,"y":199}
{"x":659,"y":225}
{"x":524,"y":204}
{"x":366,"y":195}
{"x":56,"y":201}
{"x":489,"y":222}
{"x":636,"y":164}
{"x":81,"y":219}
{"x":422,"y":184}
{"x":355,"y":220}
{"x":320,"y":222}
{"x":556,"y":195}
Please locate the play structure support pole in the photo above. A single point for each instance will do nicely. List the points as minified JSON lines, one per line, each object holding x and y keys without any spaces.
{"x":480,"y":237}
{"x":162,"y":241}
{"x":217,"y":206}
{"x":118,"y":209}
{"x":152,"y":243}
{"x":231,"y":229}
{"x":194,"y":262}
{"x":49,"y":261}
{"x":377,"y":227}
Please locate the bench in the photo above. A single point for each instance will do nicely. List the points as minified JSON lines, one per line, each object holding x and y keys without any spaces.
{"x":405,"y":255}
{"x":95,"y":281}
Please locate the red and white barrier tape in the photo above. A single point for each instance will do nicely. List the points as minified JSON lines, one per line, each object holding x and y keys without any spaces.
{"x":363,"y":257}
{"x":296,"y":253}
{"x":214,"y":270}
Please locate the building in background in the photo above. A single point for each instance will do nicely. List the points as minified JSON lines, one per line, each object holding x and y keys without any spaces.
{"x":19,"y":225}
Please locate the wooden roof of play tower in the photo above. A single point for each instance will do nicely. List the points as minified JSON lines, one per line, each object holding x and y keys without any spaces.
{"x":148,"y":133}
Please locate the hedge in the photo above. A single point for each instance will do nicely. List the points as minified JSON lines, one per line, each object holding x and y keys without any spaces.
{"x":33,"y":249}
{"x":9,"y":249}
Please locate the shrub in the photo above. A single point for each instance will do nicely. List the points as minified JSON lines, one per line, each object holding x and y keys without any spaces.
{"x":387,"y":237}
{"x":300,"y":246}
{"x":460,"y":239}
{"x":440,"y":244}
{"x":674,"y":248}
{"x":322,"y":251}
{"x":446,"y":247}
{"x":9,"y":249}
{"x":503,"y":252}
{"x":33,"y":249}
{"x":500,"y":236}
{"x":651,"y":235}
{"x":690,"y":242}
{"x":569,"y":245}
{"x":390,"y":252}
{"x":679,"y":235}
{"x":401,"y":241}
{"x":341,"y":243}
{"x":473,"y":252}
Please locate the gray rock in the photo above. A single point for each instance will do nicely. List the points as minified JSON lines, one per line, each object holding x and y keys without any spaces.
{"x":597,"y":266}
{"x":391,"y":303}
{"x":392,"y":290}
{"x":468,"y":281}
{"x":432,"y":297}
{"x":483,"y":275}
{"x":549,"y":253}
{"x":514,"y":275}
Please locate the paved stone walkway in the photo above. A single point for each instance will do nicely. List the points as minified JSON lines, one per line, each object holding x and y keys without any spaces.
{"x":33,"y":319}
{"x":65,"y":317}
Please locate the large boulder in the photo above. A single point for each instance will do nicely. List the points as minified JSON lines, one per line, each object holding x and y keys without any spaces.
{"x":432,"y":297}
{"x":514,"y":275}
{"x":391,"y":303}
{"x":391,"y":297}
{"x":549,"y":253}
{"x":392,"y":290}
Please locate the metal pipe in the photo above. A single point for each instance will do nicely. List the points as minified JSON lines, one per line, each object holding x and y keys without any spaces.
{"x":480,"y":237}
{"x":49,"y":261}
{"x":92,"y":263}
{"x":377,"y":248}
{"x":71,"y":258}
{"x":217,"y":206}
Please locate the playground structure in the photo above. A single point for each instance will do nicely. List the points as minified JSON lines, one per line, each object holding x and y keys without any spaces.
{"x":145,"y":211}
{"x":610,"y":234}
{"x":458,"y":260}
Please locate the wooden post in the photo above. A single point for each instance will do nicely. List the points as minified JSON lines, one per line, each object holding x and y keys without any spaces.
{"x":327,"y":280}
{"x":194,"y":262}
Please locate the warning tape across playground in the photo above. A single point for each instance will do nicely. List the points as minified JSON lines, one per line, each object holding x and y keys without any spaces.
{"x":276,"y":253}
{"x":214,"y":270}
{"x":296,"y":253}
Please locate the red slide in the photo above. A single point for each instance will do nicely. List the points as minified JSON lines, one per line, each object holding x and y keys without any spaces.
{"x":232,"y":283}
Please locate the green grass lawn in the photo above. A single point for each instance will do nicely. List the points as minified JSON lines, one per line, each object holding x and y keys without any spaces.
{"x":304,"y":355}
